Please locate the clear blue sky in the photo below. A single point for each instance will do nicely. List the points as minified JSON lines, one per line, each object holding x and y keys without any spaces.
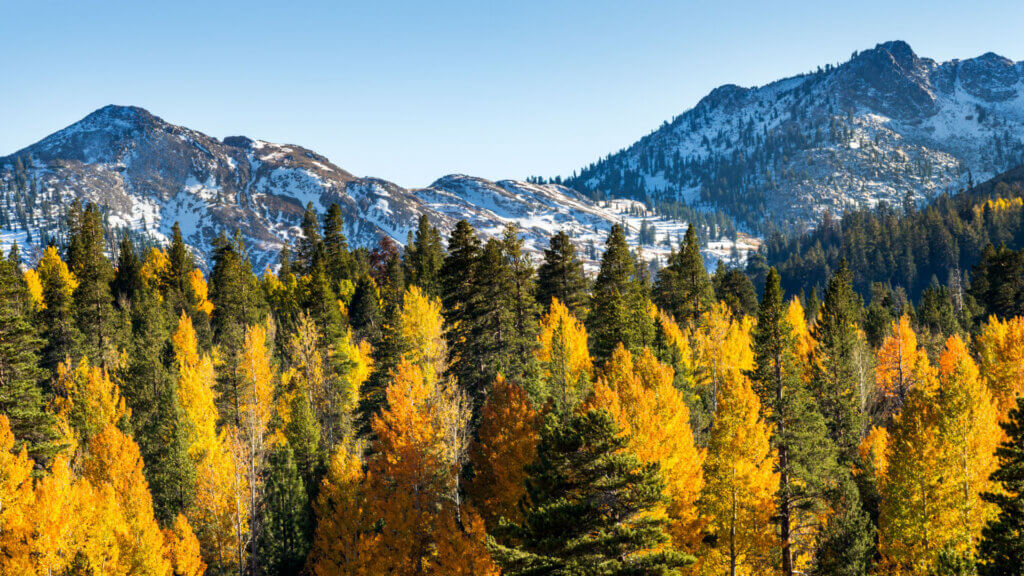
{"x":410,"y":91}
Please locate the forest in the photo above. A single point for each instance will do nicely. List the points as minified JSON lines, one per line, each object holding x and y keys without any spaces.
{"x":451,"y":408}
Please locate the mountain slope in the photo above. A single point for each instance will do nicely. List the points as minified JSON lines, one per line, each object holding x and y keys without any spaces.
{"x":884,"y":125}
{"x":148,"y":174}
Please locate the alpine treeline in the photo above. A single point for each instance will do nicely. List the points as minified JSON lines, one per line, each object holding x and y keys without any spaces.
{"x":448,"y":408}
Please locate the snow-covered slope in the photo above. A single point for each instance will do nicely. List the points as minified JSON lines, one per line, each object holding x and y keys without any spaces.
{"x":883,"y":125}
{"x":149,"y":174}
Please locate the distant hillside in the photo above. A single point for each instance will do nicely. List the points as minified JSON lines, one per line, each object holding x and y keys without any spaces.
{"x":904,"y":245}
{"x":148,"y":174}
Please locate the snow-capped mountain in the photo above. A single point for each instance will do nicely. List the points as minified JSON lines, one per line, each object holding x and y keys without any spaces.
{"x":883,"y":125}
{"x":149,"y":174}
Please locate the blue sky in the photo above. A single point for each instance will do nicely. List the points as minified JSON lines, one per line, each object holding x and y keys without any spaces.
{"x":411,"y":91}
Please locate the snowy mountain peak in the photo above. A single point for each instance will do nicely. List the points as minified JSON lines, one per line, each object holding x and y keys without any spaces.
{"x":885,"y":124}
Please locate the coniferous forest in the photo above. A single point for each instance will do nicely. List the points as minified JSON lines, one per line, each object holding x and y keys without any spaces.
{"x":453,"y":408}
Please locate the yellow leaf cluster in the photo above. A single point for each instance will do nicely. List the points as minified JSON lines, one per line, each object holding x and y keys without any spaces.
{"x":641,"y":397}
{"x":1001,"y":357}
{"x":563,"y":352}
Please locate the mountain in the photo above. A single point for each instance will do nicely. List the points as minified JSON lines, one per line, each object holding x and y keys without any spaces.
{"x":884,"y":126}
{"x":149,"y":174}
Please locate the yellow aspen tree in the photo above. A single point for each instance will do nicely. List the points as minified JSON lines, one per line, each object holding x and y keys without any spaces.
{"x":648,"y":408}
{"x":200,"y":291}
{"x":423,"y":333}
{"x":913,"y":505}
{"x":506,"y":444}
{"x":35,"y":288}
{"x":256,"y":407}
{"x":155,"y":269}
{"x":797,"y":320}
{"x":970,"y":433}
{"x":16,"y":501}
{"x":113,"y":461}
{"x":219,"y":507}
{"x":740,"y":480}
{"x":939,"y":462}
{"x":721,"y":348}
{"x":183,"y":551}
{"x":57,"y":521}
{"x":342,"y":542}
{"x":563,"y":355}
{"x":402,"y":474}
{"x":899,"y":365}
{"x":51,"y":267}
{"x":88,"y":400}
{"x":1000,"y":349}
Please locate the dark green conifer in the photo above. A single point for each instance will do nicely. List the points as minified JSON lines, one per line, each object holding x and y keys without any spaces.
{"x":618,"y":305}
{"x":21,"y":377}
{"x":424,"y":256}
{"x":589,"y":504}
{"x":561,"y":276}
{"x":364,"y":310}
{"x":683,"y":287}
{"x":310,"y":246}
{"x":337,"y":258}
{"x":835,"y":378}
{"x":286,"y":517}
{"x":93,"y":310}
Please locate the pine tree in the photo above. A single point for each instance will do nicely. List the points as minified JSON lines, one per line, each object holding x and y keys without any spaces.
{"x":128,"y":277}
{"x":337,"y":258}
{"x":618,"y":303}
{"x":310,"y":247}
{"x":806,"y":457}
{"x":60,"y":333}
{"x":835,"y":381}
{"x":1001,"y":550}
{"x":458,"y":292}
{"x":21,"y":394}
{"x":158,"y":422}
{"x":589,"y":506}
{"x":287,"y":522}
{"x":93,"y":309}
{"x":424,"y":256}
{"x":683,"y":287}
{"x":364,"y":310}
{"x":561,"y":276}
{"x":238,"y":303}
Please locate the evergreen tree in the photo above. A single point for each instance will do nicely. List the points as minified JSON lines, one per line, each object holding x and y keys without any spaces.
{"x":806,"y":456}
{"x":1001,"y":550}
{"x":128,"y":277}
{"x":60,"y":333}
{"x":387,"y":354}
{"x":561,"y":276}
{"x":618,"y":308}
{"x":734,"y":288}
{"x":835,"y":380}
{"x":424,"y":256}
{"x":93,"y":310}
{"x":238,"y":303}
{"x":589,"y":505}
{"x":310,"y":246}
{"x":364,"y":310}
{"x":683,"y":286}
{"x":284,"y":261}
{"x":21,"y":396}
{"x":157,"y":420}
{"x":181,"y":260}
{"x":337,"y":258}
{"x":287,"y":522}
